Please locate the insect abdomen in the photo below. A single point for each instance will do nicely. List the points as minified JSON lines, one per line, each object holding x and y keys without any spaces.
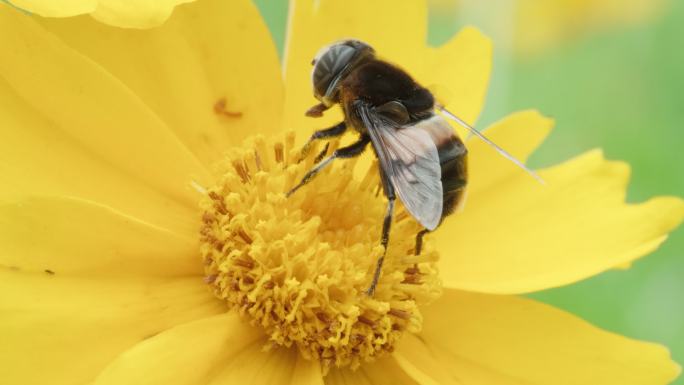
{"x":453,"y":159}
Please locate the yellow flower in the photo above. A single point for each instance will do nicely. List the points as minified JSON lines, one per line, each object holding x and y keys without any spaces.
{"x":541,"y":24}
{"x":103,"y":131}
{"x":533,"y":26}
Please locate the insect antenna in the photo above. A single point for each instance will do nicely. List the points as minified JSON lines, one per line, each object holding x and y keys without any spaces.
{"x":500,"y":150}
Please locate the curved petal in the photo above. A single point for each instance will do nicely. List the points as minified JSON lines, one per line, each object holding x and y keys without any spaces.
{"x":60,"y":329}
{"x":255,"y":365}
{"x":397,"y":30}
{"x":207,"y":52}
{"x":215,"y":341}
{"x":520,"y":134}
{"x":486,"y":339}
{"x":415,"y":358}
{"x":135,"y":14}
{"x":225,"y":350}
{"x":76,"y":237}
{"x":384,"y":370}
{"x":461,"y":69}
{"x":520,"y":236}
{"x":90,"y":106}
{"x":62,"y":8}
{"x":38,"y":159}
{"x":129,"y":14}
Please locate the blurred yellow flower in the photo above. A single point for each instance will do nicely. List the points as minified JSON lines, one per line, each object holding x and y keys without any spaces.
{"x":104,"y":131}
{"x":533,"y":26}
{"x":541,"y":24}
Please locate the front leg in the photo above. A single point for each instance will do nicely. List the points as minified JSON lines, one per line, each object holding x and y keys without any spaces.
{"x":331,"y":132}
{"x":316,"y":111}
{"x":353,"y":150}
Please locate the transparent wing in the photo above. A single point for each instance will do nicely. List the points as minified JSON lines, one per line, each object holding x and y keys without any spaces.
{"x":409,"y":158}
{"x":498,"y":149}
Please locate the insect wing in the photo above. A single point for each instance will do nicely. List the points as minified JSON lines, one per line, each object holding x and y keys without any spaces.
{"x":409,"y":158}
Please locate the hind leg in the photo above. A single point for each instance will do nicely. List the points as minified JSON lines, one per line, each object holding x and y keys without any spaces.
{"x":384,"y":240}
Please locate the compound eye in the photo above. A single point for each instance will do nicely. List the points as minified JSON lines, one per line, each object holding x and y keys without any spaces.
{"x":322,"y":77}
{"x":313,"y":61}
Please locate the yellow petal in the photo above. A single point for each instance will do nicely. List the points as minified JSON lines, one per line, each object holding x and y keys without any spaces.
{"x":39,"y":159}
{"x":120,"y":13}
{"x":397,"y":30}
{"x":62,"y":8}
{"x":281,"y":366}
{"x":89,"y":105}
{"x":59,"y":329}
{"x":185,"y":354}
{"x":306,"y":372}
{"x":519,"y":236}
{"x":487,"y":339}
{"x":461,"y":66}
{"x":419,"y":363}
{"x":218,"y":350}
{"x":208,"y":51}
{"x":385,"y":370}
{"x":520,"y":134}
{"x":135,"y":14}
{"x":76,"y":237}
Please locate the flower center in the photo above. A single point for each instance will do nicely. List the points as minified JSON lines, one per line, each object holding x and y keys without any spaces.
{"x":299,"y":266}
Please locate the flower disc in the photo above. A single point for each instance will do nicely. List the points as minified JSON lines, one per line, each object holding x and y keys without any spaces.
{"x":299,"y":266}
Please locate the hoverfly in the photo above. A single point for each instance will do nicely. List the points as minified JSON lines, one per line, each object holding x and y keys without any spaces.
{"x":421,"y":160}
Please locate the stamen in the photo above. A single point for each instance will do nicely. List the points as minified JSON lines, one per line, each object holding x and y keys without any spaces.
{"x":208,"y":218}
{"x":257,"y":160}
{"x":366,"y":321}
{"x":298,"y":267}
{"x":244,"y":263}
{"x":243,"y":235}
{"x":412,"y":280}
{"x":242,"y":171}
{"x":400,"y":313}
{"x":279,"y":152}
{"x":289,"y":145}
{"x":323,"y":317}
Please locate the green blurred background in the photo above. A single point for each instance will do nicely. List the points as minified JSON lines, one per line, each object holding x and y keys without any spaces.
{"x":611,"y":74}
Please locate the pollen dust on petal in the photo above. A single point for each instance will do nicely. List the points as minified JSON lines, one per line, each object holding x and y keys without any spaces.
{"x":220,"y":108}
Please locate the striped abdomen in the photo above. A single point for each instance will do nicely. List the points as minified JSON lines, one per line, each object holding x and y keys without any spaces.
{"x":453,"y":160}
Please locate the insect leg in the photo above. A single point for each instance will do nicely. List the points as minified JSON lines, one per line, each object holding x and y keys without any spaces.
{"x":386,"y":226}
{"x":419,"y":241}
{"x":316,"y":111}
{"x":321,"y":154}
{"x":331,"y":132}
{"x":354,"y":149}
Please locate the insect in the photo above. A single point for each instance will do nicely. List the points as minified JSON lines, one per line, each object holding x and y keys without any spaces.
{"x":421,"y":160}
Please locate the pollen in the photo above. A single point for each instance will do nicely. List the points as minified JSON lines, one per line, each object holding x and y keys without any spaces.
{"x":299,"y":266}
